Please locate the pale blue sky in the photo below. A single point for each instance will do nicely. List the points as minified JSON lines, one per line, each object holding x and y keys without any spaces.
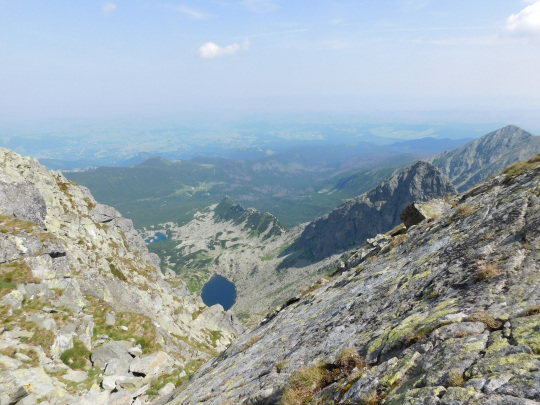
{"x":83,"y":57}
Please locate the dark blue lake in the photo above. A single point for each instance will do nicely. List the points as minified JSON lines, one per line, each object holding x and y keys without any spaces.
{"x":219,"y":290}
{"x":158,"y":237}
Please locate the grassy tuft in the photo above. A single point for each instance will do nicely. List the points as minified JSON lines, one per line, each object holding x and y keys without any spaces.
{"x":455,"y":378}
{"x":533,"y":310}
{"x":251,"y":342}
{"x":518,"y":168}
{"x":305,"y":383}
{"x":372,"y":398}
{"x":117,"y":273}
{"x":487,"y":271}
{"x":349,"y":359}
{"x":77,"y":357}
{"x":487,"y":319}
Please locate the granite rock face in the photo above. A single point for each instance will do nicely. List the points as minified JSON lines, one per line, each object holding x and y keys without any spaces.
{"x":371,"y":213}
{"x":447,"y":313}
{"x":475,"y":161}
{"x":74,"y":277}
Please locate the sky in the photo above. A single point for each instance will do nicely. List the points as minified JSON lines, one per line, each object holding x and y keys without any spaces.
{"x":69,"y":58}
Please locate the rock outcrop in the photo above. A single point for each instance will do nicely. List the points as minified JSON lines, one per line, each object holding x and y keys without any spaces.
{"x":475,"y":161}
{"x":371,"y":213}
{"x":448,"y":313}
{"x":83,"y":302}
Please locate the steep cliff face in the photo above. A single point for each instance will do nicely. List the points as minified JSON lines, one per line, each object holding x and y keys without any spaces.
{"x":75,"y":275}
{"x":374,"y":212}
{"x":447,"y":313}
{"x":477,"y":160}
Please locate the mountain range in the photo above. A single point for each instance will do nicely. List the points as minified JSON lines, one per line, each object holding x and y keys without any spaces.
{"x":446,"y":313}
{"x":475,"y":161}
{"x":440,"y":310}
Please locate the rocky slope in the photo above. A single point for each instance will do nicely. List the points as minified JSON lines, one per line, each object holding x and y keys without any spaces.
{"x":373,"y":212}
{"x":448,"y":313}
{"x":475,"y":161}
{"x":87,"y":316}
{"x":243,"y":245}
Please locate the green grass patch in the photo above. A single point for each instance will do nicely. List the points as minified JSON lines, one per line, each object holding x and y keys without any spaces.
{"x":77,"y":357}
{"x":117,"y":273}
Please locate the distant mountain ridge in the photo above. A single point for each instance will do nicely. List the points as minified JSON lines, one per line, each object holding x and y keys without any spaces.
{"x":373,"y":212}
{"x":475,"y":161}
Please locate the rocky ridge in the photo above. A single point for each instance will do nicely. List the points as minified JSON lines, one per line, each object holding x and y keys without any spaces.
{"x":371,"y":213}
{"x":447,"y":313}
{"x":475,"y":161}
{"x":87,"y":316}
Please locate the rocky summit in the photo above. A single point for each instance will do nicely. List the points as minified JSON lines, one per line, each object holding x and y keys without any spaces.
{"x":86,"y":315}
{"x":475,"y":161}
{"x":373,"y":212}
{"x":446,"y":313}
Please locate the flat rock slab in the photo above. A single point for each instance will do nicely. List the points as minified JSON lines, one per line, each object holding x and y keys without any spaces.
{"x":75,"y":376}
{"x":117,"y":366}
{"x":105,"y":353}
{"x":152,"y":364}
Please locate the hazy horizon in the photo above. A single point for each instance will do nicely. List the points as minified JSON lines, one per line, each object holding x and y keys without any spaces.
{"x":101,"y":60}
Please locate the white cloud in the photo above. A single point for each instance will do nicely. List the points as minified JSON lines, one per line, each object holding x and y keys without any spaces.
{"x":260,"y":6}
{"x":191,"y":13}
{"x":211,"y":50}
{"x":526,"y":22}
{"x":108,"y":8}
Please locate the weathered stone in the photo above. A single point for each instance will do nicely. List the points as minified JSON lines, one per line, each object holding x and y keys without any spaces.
{"x":151,"y":365}
{"x":130,"y":383}
{"x":109,"y":382}
{"x":18,"y":395}
{"x":11,"y":195}
{"x":112,"y":350}
{"x":75,"y":376}
{"x":460,"y":329}
{"x":117,"y":366}
{"x":92,"y":397}
{"x":29,"y":400}
{"x":120,"y":397}
{"x":416,"y":212}
{"x":166,"y":390}
{"x":135,"y":351}
{"x":110,"y":318}
{"x":14,"y":300}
